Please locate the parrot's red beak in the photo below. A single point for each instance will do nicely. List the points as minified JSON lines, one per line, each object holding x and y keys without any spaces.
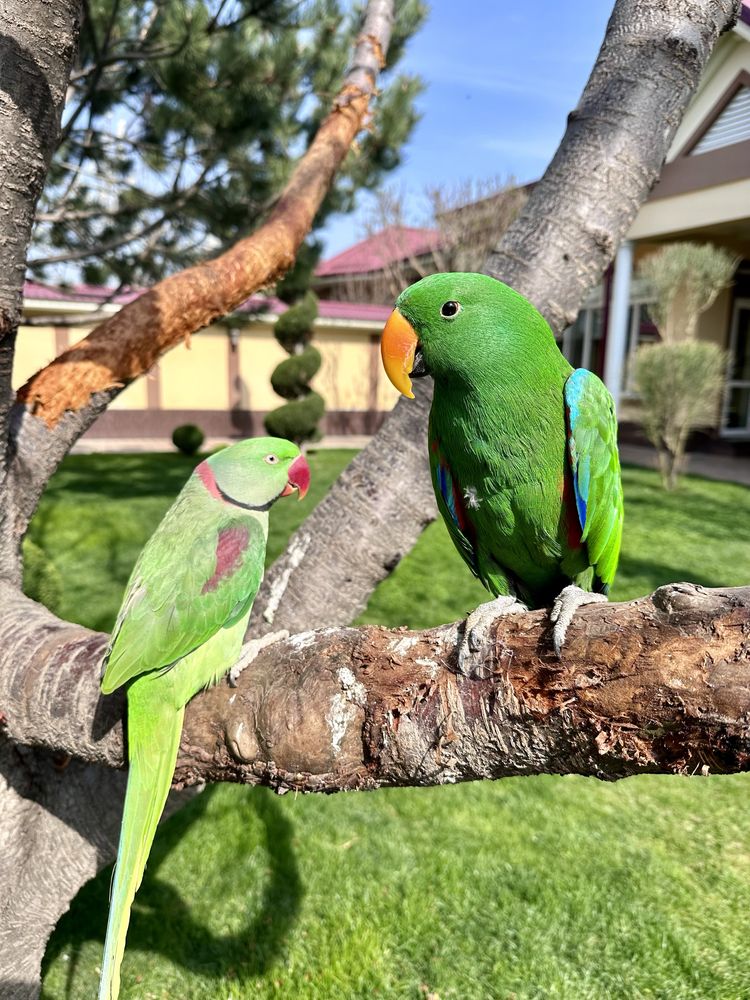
{"x":298,"y":478}
{"x":398,"y":346}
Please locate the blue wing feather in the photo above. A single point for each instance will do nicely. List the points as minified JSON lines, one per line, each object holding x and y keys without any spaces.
{"x":595,"y":465}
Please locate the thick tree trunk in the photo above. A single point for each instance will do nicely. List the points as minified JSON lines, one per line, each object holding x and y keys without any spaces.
{"x":37,"y":45}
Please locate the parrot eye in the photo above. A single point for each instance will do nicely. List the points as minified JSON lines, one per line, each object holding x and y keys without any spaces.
{"x":450,"y":309}
{"x":271,"y":459}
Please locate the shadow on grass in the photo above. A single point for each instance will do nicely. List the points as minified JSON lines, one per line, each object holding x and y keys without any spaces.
{"x":162,"y":922}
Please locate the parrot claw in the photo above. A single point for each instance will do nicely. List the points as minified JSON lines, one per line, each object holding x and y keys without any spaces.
{"x":476,"y":638}
{"x":250,"y":651}
{"x":565,"y":605}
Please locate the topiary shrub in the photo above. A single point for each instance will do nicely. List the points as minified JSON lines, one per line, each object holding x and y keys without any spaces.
{"x":297,"y":419}
{"x":294,"y":328}
{"x":187,"y":438}
{"x":291,"y":378}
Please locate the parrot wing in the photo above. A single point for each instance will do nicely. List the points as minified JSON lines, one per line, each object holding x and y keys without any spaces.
{"x":594,"y":462}
{"x":188,"y":582}
{"x":451,"y":506}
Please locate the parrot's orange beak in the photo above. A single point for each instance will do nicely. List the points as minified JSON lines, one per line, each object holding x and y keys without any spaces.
{"x":398,"y":346}
{"x":298,"y":478}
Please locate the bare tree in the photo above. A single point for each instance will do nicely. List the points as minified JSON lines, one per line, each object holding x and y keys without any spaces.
{"x":58,"y":827}
{"x":462,"y":224}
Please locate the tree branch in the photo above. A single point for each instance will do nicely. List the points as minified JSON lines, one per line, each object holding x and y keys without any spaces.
{"x":62,"y":400}
{"x":661,"y":684}
{"x":36,"y":52}
{"x":180,"y":199}
{"x":616,"y":140}
{"x":126,"y":346}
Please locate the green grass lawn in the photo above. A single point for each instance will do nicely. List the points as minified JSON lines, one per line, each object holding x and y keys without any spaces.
{"x":525,"y":888}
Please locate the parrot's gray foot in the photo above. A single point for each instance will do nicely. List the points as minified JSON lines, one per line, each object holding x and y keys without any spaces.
{"x":471,"y":662}
{"x":567,"y":602}
{"x":250,"y":651}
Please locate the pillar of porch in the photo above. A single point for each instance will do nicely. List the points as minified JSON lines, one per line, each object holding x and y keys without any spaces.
{"x":617,"y":334}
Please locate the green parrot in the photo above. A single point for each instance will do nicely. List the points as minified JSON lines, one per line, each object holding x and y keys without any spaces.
{"x":523,"y":449}
{"x":180,"y":629}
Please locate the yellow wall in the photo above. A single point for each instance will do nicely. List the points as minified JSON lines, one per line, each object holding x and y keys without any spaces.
{"x":35,"y":348}
{"x":133,"y":398}
{"x":196,"y":378}
{"x":259,"y":353}
{"x":387,"y":395}
{"x":344,"y":377}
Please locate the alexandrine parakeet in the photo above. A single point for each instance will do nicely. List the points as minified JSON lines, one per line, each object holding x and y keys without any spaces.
{"x":181,"y":628}
{"x":523,"y":449}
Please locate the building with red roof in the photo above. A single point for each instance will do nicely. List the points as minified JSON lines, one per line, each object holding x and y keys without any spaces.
{"x":378,"y":267}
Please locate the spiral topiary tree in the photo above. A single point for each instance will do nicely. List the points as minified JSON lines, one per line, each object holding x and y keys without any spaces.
{"x":299,"y":417}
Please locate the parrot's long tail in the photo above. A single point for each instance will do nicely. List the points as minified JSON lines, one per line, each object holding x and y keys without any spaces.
{"x":154,"y":727}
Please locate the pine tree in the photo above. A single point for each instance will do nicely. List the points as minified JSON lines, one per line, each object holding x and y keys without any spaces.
{"x":184,"y":120}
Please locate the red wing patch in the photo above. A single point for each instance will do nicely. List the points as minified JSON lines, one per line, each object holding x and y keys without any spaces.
{"x":230,"y":547}
{"x":570,"y":511}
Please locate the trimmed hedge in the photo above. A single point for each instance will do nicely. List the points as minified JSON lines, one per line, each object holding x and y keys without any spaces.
{"x":188,"y":438}
{"x":298,"y":418}
{"x":291,"y":378}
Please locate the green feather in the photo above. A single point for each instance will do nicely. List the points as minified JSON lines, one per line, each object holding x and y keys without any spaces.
{"x":180,"y":629}
{"x":498,"y":432}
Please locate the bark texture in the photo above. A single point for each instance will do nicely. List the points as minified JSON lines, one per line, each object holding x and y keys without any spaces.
{"x":37,"y":45}
{"x":658,"y":685}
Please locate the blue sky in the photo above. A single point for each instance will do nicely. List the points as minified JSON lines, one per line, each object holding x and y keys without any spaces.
{"x":500,"y":80}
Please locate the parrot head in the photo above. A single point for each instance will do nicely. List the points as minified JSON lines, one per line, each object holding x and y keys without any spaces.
{"x":256,"y":472}
{"x":457,"y":326}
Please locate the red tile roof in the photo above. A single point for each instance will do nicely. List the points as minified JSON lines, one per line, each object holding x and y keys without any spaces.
{"x":93,"y":294}
{"x":327,"y":308}
{"x":390,"y":244}
{"x":260,"y":304}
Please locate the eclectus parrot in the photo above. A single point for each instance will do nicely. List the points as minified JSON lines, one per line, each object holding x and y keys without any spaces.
{"x":181,"y":628}
{"x":523,"y":449}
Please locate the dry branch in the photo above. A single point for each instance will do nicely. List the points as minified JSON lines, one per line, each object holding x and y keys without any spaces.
{"x":129,"y":343}
{"x":661,"y":684}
